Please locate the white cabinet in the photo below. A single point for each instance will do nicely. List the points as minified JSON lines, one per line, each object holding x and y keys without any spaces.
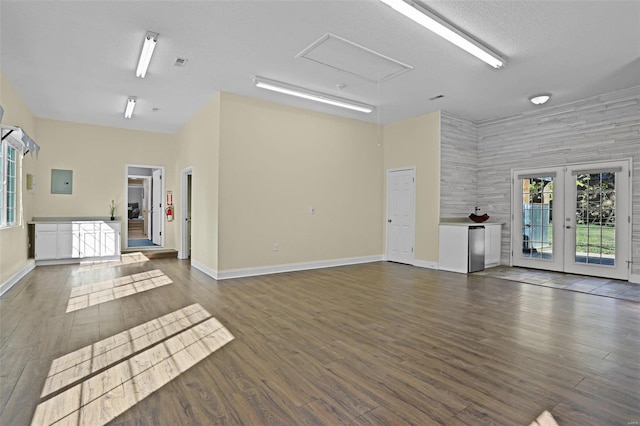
{"x":492,"y":240}
{"x":76,"y":240}
{"x":67,"y":244}
{"x":46,"y":241}
{"x":89,"y":240}
{"x":454,"y":246}
{"x":109,"y":239}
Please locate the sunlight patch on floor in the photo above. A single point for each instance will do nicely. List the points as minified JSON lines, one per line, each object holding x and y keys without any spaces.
{"x":125,"y":259}
{"x":93,"y":294}
{"x":172,"y":344}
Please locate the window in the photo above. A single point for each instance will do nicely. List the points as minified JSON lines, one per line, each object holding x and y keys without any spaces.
{"x":8,"y":184}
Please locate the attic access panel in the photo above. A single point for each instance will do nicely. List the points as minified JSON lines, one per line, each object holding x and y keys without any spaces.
{"x":346,"y":56}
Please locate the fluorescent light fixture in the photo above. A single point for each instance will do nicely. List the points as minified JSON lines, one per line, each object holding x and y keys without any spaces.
{"x":540,"y":99}
{"x":150,"y":40}
{"x":300,"y":92}
{"x":428,"y":19}
{"x":131,"y":104}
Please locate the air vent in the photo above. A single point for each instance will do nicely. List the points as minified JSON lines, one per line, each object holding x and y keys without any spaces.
{"x":180,"y":62}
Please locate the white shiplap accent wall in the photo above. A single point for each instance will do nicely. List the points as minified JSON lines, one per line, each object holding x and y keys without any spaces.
{"x":458,"y":166}
{"x":605,"y":127}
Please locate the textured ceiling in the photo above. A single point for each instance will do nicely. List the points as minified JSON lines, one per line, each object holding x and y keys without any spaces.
{"x":75,"y":60}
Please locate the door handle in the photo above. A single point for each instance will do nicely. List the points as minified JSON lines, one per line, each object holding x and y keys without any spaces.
{"x":568,"y":226}
{"x":389,"y":220}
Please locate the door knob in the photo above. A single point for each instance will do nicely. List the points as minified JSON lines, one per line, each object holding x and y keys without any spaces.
{"x":568,"y":226}
{"x":389,"y":220}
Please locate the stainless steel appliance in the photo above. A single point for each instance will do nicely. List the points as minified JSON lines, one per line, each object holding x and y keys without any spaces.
{"x":476,"y":248}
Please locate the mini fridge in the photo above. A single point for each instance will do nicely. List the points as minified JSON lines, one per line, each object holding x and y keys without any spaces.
{"x":476,"y":248}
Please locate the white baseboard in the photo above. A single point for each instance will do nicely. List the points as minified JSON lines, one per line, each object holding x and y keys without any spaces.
{"x":425,"y":264}
{"x":49,"y":262}
{"x":634,"y":278}
{"x":277,"y":269}
{"x":5,"y":286}
{"x":202,"y":268}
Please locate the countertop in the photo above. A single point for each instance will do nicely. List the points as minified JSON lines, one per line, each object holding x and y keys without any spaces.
{"x":35,"y":220}
{"x":465,"y":221}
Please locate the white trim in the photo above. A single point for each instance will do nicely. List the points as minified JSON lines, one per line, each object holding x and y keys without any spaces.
{"x":163,"y":194}
{"x":277,"y":269}
{"x":425,"y":264}
{"x":634,"y":278}
{"x":183,"y":228}
{"x":202,"y":268}
{"x":71,"y":261}
{"x":6,"y":286}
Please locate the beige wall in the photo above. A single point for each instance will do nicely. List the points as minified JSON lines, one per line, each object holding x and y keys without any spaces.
{"x":199,"y":144}
{"x":97,"y":155}
{"x":257,"y":168}
{"x":275,"y":163}
{"x":416,"y":143}
{"x":14,"y":241}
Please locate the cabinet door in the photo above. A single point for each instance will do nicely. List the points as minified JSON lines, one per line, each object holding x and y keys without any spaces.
{"x":109,"y":240}
{"x":454,"y":248}
{"x":68,"y":243}
{"x":89,"y":240}
{"x":64,"y":249}
{"x":492,"y":245}
{"x":46,"y":244}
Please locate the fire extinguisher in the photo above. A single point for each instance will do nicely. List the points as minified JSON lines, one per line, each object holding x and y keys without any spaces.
{"x":169,"y":209}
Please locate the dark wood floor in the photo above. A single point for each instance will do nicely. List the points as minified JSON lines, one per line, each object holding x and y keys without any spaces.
{"x":379,"y":343}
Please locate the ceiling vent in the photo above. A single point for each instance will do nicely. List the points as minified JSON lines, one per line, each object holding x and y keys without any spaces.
{"x":346,"y":56}
{"x":180,"y":62}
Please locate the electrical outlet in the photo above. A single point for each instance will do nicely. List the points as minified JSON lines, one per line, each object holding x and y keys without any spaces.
{"x":276,"y":246}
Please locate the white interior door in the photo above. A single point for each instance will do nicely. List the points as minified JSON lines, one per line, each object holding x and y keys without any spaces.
{"x":156,"y":209}
{"x":185,"y":248}
{"x":146,"y":206}
{"x":575,"y":218}
{"x":401,"y":192}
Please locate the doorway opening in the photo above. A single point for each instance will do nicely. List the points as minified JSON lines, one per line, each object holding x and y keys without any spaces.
{"x":574,"y":218}
{"x":185,"y":246}
{"x":145,"y":223}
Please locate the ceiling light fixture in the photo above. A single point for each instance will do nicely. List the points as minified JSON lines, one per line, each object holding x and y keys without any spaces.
{"x":300,"y":92}
{"x":431,"y":21}
{"x":131,"y":104}
{"x":540,"y":99}
{"x":150,"y":40}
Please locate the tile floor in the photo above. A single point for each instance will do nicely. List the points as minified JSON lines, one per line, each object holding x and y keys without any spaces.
{"x":583,"y":284}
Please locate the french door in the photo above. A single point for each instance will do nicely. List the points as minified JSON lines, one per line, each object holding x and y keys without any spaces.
{"x":574,"y":218}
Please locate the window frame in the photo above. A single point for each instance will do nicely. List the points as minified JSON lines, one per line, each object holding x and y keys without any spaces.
{"x":9,"y":186}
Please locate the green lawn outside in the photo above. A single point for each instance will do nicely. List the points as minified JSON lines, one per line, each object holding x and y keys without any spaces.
{"x":591,"y":235}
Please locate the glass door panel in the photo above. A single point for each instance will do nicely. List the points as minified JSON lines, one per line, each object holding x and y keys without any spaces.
{"x":534,"y":212}
{"x":537,"y":217}
{"x":597,"y":234}
{"x":595,"y":218}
